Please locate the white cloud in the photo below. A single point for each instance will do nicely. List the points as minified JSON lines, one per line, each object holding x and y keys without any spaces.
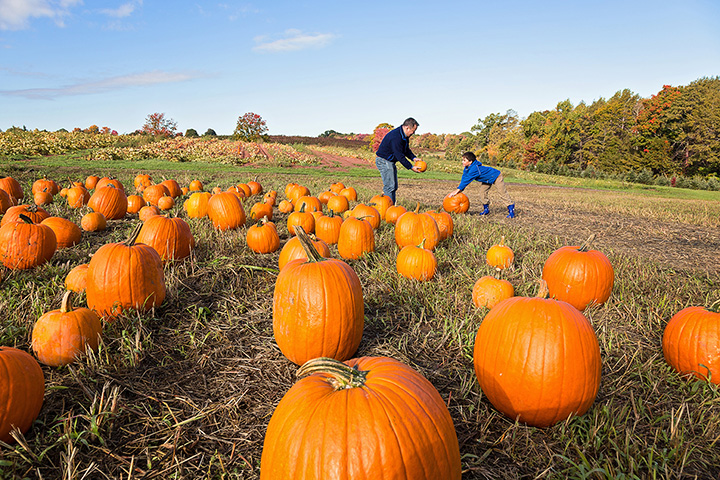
{"x":16,"y":14}
{"x":293,"y":40}
{"x":102,"y":85}
{"x":124,"y":10}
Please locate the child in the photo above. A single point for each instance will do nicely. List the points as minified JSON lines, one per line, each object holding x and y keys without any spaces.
{"x":487,"y":176}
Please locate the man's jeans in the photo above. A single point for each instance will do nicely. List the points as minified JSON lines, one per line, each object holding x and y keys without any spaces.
{"x":388,"y":172}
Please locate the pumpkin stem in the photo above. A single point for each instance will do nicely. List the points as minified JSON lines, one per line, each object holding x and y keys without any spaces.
{"x":543,"y":291}
{"x":341,"y":375}
{"x":312,"y":254}
{"x":586,"y":246}
{"x":26,"y":219}
{"x":502,"y":241}
{"x":417,"y":208}
{"x":66,"y":305}
{"x":714,"y":307}
{"x":133,"y":236}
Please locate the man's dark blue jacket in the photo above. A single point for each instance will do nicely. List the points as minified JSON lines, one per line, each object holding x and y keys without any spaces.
{"x":395,"y":146}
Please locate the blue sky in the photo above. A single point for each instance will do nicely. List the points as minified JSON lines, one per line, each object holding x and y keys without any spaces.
{"x":307,"y":67}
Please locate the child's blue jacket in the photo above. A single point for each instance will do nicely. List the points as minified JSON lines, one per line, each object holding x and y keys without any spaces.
{"x":478,"y":171}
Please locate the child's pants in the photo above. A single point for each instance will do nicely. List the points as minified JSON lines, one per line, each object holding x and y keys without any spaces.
{"x":501,"y":190}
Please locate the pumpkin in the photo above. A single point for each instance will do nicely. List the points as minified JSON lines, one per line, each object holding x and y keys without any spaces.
{"x":370,"y":417}
{"x":416,"y":262}
{"x":327,"y":228}
{"x":226,"y":212}
{"x":24,"y":244}
{"x":356,"y":238}
{"x":421,"y":165}
{"x":488,"y":291}
{"x":369,"y":213}
{"x":297,"y":191}
{"x":338,"y":203}
{"x":5,"y":201}
{"x":142,"y":181}
{"x":23,"y":391}
{"x":393,"y":213}
{"x":135,"y":203}
{"x":579,"y":275}
{"x":173,"y":187}
{"x":91,"y":181}
{"x":245,"y":188}
{"x":76,"y":279}
{"x":148,"y":211}
{"x":110,"y":200}
{"x":293,"y":250}
{"x":255,"y":187}
{"x":318,"y":308}
{"x":301,"y":218}
{"x":337,"y":187}
{"x":170,"y":237}
{"x":350,"y":193}
{"x":125,"y":275}
{"x":537,"y":360}
{"x":289,"y":187}
{"x":500,"y":255}
{"x":42,"y":198}
{"x":444,"y":222}
{"x":325,"y":196}
{"x":216,"y":190}
{"x":196,"y":205}
{"x":77,"y":197}
{"x":459,"y":203}
{"x":59,"y":336}
{"x":381,"y":203}
{"x":33,"y":212}
{"x":270,"y":197}
{"x":153,"y":193}
{"x":196,"y":186}
{"x":285,"y":206}
{"x":262,"y":237}
{"x":166,"y":203}
{"x":12,"y":187}
{"x":260,"y":210}
{"x":67,"y":233}
{"x":308,"y":203}
{"x":691,"y":342}
{"x":107,"y":181}
{"x":93,"y":222}
{"x":414,"y":227}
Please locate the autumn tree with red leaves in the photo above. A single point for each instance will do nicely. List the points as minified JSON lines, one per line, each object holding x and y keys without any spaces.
{"x":157,"y":124}
{"x":250,"y":127}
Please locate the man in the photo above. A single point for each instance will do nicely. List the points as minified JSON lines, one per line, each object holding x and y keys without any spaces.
{"x":395,"y":147}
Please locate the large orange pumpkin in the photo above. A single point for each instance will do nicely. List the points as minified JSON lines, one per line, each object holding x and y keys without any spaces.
{"x":414,"y":227}
{"x":356,"y":238}
{"x":24,"y":244}
{"x":537,"y":360}
{"x":459,"y":203}
{"x":23,"y":391}
{"x":125,"y":275}
{"x":59,"y":336}
{"x":415,"y":261}
{"x":579,"y":275}
{"x":110,"y":200}
{"x":691,"y":343}
{"x":301,"y":218}
{"x":327,"y":228}
{"x":173,"y":187}
{"x":371,"y":417}
{"x":338,"y":203}
{"x":226,"y":212}
{"x":170,"y":237}
{"x":153,"y":193}
{"x":67,"y":233}
{"x":318,"y":308}
{"x":293,"y":250}
{"x":12,"y":187}
{"x":33,"y":212}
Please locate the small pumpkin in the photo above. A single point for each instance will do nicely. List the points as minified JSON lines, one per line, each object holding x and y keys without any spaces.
{"x":350,"y":193}
{"x":76,"y":279}
{"x":337,"y":187}
{"x":459,"y":203}
{"x":421,"y":165}
{"x":91,"y":181}
{"x":691,"y":342}
{"x":59,"y":336}
{"x":417,"y":262}
{"x":142,"y":181}
{"x":393,"y":213}
{"x":537,"y":359}
{"x":318,"y":308}
{"x":135,"y":203}
{"x":381,"y":202}
{"x":93,"y":222}
{"x":255,"y":187}
{"x":262,"y":237}
{"x":107,"y":181}
{"x":77,"y":197}
{"x":308,"y":203}
{"x":370,"y":417}
{"x":260,"y":210}
{"x":42,"y":198}
{"x":152,"y":193}
{"x":23,"y":391}
{"x":444,"y":222}
{"x":338,"y":203}
{"x":196,"y":186}
{"x":148,"y":211}
{"x":580,"y":276}
{"x":488,"y":291}
{"x":166,"y":203}
{"x":173,"y":187}
{"x":285,"y":206}
{"x":301,"y":218}
{"x":325,"y":196}
{"x":369,"y":213}
{"x":500,"y":256}
{"x":196,"y":205}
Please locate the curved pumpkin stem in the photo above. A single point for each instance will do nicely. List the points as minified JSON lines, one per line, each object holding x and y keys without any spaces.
{"x":714,"y":307}
{"x":312,"y":254}
{"x":543,"y":290}
{"x":66,"y":305}
{"x":133,"y":236}
{"x":502,"y":241}
{"x":341,"y":375}
{"x":586,"y":246}
{"x":417,"y":208}
{"x":26,"y":219}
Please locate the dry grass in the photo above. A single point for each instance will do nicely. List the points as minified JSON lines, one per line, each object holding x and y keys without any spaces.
{"x":186,"y":391}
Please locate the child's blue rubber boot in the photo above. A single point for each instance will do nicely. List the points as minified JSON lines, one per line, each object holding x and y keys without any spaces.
{"x":511,"y":211}
{"x":486,"y":211}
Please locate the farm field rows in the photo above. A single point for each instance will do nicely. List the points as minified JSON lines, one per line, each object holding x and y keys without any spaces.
{"x":186,"y":390}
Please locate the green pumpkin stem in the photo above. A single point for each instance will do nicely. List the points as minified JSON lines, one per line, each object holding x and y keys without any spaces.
{"x":714,"y":307}
{"x":66,"y":305}
{"x":586,"y":246}
{"x":26,"y":219}
{"x":341,"y":375}
{"x":312,"y":254}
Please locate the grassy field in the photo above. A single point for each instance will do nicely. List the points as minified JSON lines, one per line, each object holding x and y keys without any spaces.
{"x":187,"y":390}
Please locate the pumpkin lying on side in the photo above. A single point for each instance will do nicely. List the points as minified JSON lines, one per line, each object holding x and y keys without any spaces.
{"x":691,"y":342}
{"x":371,"y":417}
{"x":21,"y":401}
